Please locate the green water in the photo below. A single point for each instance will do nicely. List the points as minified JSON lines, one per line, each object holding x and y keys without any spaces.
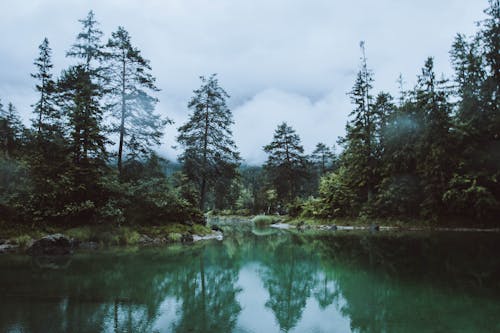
{"x":263,"y":281}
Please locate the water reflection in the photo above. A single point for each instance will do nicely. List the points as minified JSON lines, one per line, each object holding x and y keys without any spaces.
{"x":262,"y":282}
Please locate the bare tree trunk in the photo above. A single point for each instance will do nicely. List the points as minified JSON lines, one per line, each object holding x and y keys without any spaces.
{"x":122,"y":122}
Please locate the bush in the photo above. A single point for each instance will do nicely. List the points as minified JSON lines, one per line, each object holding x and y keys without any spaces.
{"x":154,"y":202}
{"x":264,"y":220}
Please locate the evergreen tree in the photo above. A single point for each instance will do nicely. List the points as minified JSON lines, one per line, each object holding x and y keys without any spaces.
{"x":88,"y":46}
{"x":435,"y":145}
{"x":474,"y":190}
{"x":82,"y":88}
{"x":137,"y":125}
{"x":47,"y":117}
{"x":323,"y":158}
{"x":286,"y":164}
{"x":207,"y":138}
{"x":360,"y":147}
{"x":11,"y":131}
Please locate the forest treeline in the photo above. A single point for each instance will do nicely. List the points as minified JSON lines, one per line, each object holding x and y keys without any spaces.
{"x":432,"y":152}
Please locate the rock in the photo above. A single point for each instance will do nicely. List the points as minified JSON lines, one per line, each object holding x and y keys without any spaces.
{"x":88,"y":245}
{"x":216,"y":228}
{"x":145,"y":239}
{"x":216,"y":235}
{"x":281,"y":226}
{"x":7,"y":248}
{"x":333,"y":227}
{"x":374,"y":227}
{"x":56,"y":244}
{"x":187,"y":238}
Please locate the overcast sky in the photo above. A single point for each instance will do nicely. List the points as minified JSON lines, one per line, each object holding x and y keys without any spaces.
{"x":280,"y":60}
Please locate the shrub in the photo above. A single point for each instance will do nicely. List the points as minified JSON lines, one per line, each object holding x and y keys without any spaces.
{"x":263,"y":220}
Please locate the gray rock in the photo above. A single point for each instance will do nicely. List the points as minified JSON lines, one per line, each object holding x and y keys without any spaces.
{"x":56,"y":244}
{"x":374,"y":227}
{"x":88,"y":245}
{"x":187,"y":238}
{"x":7,"y":248}
{"x":333,"y":228}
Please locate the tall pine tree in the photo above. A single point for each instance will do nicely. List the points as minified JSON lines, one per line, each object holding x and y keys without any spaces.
{"x":209,"y":149}
{"x":360,"y":145}
{"x":286,"y":164}
{"x":47,"y":116}
{"x":131,"y":83}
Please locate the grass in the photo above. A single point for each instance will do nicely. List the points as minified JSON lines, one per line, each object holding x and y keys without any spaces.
{"x":263,"y":220}
{"x":360,"y":222}
{"x":102,"y":234}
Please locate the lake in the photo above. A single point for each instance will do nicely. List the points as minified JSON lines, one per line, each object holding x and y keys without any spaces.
{"x":263,"y":280}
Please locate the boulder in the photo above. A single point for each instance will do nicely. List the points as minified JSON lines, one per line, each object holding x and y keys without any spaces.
{"x":56,"y":244}
{"x":187,"y":238}
{"x":7,"y":248}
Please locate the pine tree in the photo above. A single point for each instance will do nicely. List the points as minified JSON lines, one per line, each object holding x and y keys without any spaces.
{"x":82,"y":88}
{"x":47,"y":117}
{"x":207,"y":137}
{"x":360,"y":146}
{"x":11,"y":131}
{"x":84,"y":120}
{"x":137,"y":125}
{"x":88,"y":46}
{"x":286,"y":164}
{"x":323,"y":158}
{"x":474,"y":190}
{"x":434,"y":163}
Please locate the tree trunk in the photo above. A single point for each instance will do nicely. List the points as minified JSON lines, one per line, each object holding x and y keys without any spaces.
{"x":203,"y":189}
{"x":122,"y":121}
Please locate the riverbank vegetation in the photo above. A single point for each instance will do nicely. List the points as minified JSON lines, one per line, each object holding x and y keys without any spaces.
{"x":432,"y":153}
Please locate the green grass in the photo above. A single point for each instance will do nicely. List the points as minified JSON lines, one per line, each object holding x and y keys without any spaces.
{"x":263,"y":220}
{"x":103,"y":234}
{"x":361,"y":222}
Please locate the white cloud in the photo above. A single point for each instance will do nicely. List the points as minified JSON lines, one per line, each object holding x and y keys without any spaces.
{"x":291,"y":60}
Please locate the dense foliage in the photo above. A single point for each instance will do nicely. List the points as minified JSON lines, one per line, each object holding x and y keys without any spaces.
{"x":61,"y":170}
{"x":433,"y":156}
{"x":432,"y":153}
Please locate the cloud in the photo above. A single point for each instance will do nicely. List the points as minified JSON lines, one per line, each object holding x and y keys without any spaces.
{"x":314,"y":121}
{"x":291,"y":60}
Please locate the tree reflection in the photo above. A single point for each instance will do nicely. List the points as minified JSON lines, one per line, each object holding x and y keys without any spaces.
{"x":207,"y":289}
{"x":288,"y":277}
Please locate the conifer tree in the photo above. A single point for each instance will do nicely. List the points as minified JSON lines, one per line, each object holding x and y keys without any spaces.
{"x":89,"y":47}
{"x":323,"y":158}
{"x":47,"y":117}
{"x":434,"y":146}
{"x":360,"y":148}
{"x":131,"y":83}
{"x":207,"y":138}
{"x":286,"y":164}
{"x":11,"y":131}
{"x":84,"y":120}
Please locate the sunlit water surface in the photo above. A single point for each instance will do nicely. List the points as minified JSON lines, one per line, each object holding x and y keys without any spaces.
{"x":263,"y":280}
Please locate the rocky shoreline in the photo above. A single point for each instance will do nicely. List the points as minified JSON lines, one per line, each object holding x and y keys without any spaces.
{"x":60,"y":244}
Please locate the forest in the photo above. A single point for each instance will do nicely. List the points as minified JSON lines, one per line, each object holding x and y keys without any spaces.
{"x":89,"y":156}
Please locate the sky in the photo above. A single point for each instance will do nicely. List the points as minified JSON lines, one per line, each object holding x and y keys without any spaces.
{"x":280,"y":60}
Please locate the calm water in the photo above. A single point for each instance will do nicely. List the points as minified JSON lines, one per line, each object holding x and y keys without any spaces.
{"x":262,"y":280}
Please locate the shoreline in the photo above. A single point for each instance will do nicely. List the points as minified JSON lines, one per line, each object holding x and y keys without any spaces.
{"x":20,"y":240}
